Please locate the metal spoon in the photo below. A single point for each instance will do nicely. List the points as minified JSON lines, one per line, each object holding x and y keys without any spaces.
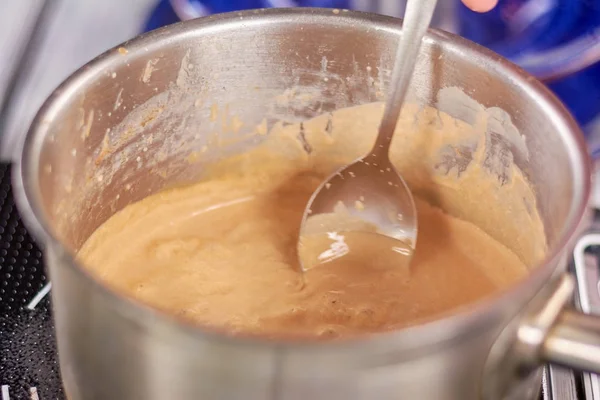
{"x":369,"y":195}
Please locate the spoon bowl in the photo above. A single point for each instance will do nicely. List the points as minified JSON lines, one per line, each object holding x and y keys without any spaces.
{"x":367,"y":196}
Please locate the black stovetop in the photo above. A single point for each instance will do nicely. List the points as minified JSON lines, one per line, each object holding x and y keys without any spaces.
{"x":28,"y":363}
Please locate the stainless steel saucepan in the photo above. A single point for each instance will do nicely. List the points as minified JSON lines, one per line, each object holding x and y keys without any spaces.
{"x":157,"y":91}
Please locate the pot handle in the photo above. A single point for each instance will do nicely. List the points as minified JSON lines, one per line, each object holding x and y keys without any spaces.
{"x":573,"y":337}
{"x":574,"y":342}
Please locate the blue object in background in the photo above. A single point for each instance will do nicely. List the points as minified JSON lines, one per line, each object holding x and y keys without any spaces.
{"x":558,"y":41}
{"x":555,"y":40}
{"x":165,"y":13}
{"x":162,"y":15}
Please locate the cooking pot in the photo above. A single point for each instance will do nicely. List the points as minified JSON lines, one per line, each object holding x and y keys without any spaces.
{"x":122,"y":127}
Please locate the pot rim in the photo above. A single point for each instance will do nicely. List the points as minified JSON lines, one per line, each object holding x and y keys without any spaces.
{"x":431,"y":334}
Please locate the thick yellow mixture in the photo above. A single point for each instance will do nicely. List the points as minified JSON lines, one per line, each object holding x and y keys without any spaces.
{"x":222,"y":252}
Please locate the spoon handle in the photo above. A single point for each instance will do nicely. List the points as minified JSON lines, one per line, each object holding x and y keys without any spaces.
{"x":417,"y":18}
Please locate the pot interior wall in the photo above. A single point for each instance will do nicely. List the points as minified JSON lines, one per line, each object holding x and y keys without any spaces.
{"x":132,"y":120}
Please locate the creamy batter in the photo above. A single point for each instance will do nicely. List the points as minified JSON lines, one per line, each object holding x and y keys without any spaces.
{"x":222,"y":253}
